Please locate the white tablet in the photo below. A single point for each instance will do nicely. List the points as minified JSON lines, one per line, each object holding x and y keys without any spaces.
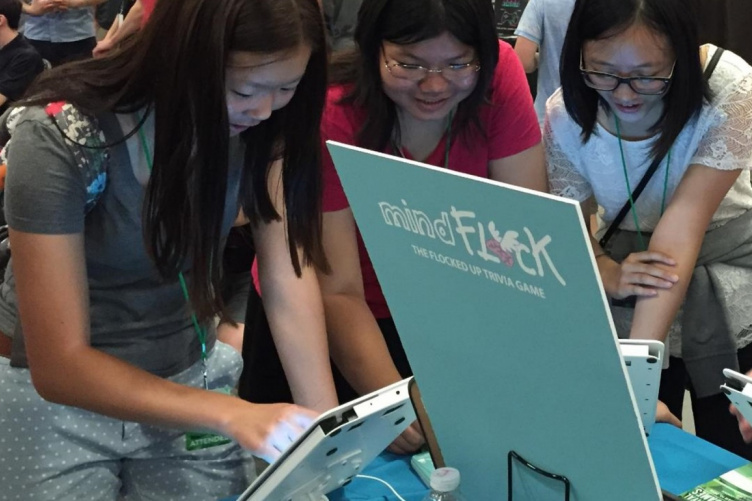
{"x":336,"y":447}
{"x":644,"y":360}
{"x":738,"y":389}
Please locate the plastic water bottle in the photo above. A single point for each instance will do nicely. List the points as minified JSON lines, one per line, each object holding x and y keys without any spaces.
{"x":445,"y":483}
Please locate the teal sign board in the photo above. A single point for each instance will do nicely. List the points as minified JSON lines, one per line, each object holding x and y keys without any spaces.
{"x":499,"y":306}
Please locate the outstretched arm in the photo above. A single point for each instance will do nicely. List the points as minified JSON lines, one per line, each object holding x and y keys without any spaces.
{"x":294,"y":308}
{"x":51,"y":282}
{"x":130,"y":25}
{"x":679,"y":234}
{"x":357,"y":344}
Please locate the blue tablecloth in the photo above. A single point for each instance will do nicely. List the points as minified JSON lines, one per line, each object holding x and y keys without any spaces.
{"x":682,"y":461}
{"x":389,"y":467}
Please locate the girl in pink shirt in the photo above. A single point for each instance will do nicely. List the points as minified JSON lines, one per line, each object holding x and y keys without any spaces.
{"x":429,"y":81}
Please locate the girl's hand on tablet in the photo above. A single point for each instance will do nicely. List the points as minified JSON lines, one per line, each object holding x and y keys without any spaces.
{"x":267,"y":430}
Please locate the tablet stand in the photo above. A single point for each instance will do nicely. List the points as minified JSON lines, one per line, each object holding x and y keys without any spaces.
{"x":513,"y":456}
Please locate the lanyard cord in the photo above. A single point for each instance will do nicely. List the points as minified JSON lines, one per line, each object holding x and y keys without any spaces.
{"x":447,"y":146}
{"x":200,"y":331}
{"x":629,"y":187}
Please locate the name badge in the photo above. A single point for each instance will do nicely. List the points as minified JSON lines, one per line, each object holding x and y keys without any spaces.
{"x":196,"y":440}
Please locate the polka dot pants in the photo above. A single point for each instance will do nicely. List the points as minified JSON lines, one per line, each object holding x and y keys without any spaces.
{"x":55,"y":452}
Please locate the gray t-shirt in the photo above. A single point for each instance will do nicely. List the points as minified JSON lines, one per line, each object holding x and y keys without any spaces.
{"x":545,"y":23}
{"x":135,"y":315}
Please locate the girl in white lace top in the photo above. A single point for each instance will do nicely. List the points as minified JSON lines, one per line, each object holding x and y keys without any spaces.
{"x":633,"y":94}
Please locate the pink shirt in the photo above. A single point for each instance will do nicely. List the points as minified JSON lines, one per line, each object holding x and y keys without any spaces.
{"x":509,"y":121}
{"x":148,"y":6}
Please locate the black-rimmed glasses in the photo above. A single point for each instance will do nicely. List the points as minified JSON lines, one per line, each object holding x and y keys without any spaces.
{"x":651,"y":86}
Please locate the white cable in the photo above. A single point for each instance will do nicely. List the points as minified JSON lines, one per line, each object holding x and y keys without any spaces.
{"x":383,"y":482}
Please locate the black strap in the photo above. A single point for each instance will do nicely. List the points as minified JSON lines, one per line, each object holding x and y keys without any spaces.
{"x":713,"y":63}
{"x":653,"y":167}
{"x":628,"y":205}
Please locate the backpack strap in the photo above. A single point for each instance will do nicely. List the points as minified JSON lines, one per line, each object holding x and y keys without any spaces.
{"x":713,"y":63}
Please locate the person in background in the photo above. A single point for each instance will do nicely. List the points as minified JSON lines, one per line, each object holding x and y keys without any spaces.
{"x":61,"y":30}
{"x":110,"y":12}
{"x":341,"y":16}
{"x":113,"y":381}
{"x":430,"y":81}
{"x":20,"y":63}
{"x":638,"y":91}
{"x":133,"y":21}
{"x":540,"y":37}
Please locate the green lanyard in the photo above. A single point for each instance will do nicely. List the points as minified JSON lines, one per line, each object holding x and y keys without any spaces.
{"x":200,"y":331}
{"x":629,"y":188}
{"x":447,"y":146}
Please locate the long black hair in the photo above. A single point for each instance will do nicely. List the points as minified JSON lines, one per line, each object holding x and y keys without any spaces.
{"x":176,"y":66}
{"x":602,"y":19}
{"x":405,"y":22}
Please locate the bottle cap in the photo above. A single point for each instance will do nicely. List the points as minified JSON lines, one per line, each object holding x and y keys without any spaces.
{"x":445,"y":479}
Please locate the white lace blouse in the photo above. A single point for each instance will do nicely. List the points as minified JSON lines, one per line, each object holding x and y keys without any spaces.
{"x":720,"y":137}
